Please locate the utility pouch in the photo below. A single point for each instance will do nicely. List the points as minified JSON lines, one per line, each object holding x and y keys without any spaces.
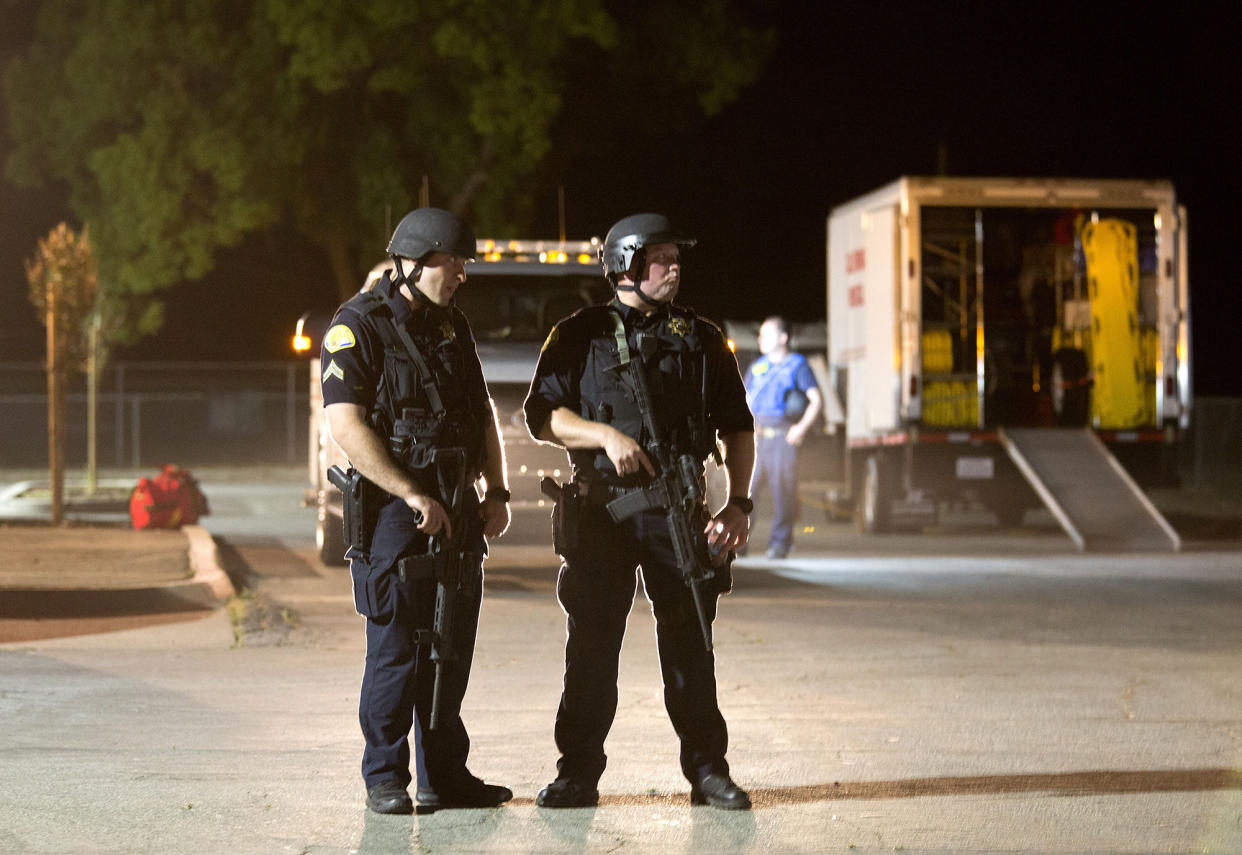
{"x":416,"y":568}
{"x":566,"y":519}
{"x":416,"y":435}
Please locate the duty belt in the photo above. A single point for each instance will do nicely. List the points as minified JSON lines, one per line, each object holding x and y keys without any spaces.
{"x":770,"y":432}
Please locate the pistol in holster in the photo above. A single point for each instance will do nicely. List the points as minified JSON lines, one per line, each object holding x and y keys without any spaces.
{"x":566,"y":514}
{"x":360,"y":506}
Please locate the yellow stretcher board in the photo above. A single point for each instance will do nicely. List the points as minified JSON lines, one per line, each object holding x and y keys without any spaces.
{"x":1118,"y":394}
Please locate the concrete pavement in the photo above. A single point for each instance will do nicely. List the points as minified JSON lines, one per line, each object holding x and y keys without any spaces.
{"x":964,"y":692}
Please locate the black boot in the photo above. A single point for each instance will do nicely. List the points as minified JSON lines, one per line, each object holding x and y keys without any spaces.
{"x":467,"y":793}
{"x":719,"y":791}
{"x":565,"y":793}
{"x":389,"y":797}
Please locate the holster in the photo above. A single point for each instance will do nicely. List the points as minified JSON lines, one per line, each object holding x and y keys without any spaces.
{"x":361,"y":501}
{"x":566,"y":519}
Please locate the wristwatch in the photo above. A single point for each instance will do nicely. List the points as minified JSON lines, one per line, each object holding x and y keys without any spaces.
{"x":498,"y":494}
{"x":742,"y":503}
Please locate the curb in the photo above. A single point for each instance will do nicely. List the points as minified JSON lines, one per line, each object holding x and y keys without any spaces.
{"x":209,"y":580}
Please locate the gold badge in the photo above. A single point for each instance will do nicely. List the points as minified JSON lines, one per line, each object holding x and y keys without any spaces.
{"x":338,"y":338}
{"x":446,"y":330}
{"x":678,"y":326}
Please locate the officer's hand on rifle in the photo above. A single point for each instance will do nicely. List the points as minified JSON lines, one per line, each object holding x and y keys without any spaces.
{"x":495,"y":515}
{"x":627,"y":456}
{"x":729,"y":529}
{"x":433,"y":513}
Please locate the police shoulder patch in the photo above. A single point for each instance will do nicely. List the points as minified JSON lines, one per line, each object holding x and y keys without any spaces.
{"x":337,"y":338}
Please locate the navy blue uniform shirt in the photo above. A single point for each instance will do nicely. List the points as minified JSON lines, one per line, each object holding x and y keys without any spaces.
{"x":351,"y":360}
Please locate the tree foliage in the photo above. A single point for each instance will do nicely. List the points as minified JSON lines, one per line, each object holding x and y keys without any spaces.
{"x":181,"y":126}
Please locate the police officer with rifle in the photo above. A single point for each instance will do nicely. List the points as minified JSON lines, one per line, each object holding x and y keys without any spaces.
{"x":405,"y":400}
{"x":639,"y":391}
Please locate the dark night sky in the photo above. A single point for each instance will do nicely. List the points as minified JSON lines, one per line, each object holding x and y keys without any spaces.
{"x":855,"y":95}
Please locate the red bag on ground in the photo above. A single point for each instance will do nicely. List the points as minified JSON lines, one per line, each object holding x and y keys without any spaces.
{"x":169,"y":500}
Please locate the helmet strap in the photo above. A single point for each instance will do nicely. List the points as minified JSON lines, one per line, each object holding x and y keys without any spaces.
{"x":401,"y":277}
{"x":637,"y":264}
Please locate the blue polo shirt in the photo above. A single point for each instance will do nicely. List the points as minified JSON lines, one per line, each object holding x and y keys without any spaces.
{"x":768,"y":382}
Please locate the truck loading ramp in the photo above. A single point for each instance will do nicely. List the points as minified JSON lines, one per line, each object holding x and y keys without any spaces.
{"x":1087,"y":490}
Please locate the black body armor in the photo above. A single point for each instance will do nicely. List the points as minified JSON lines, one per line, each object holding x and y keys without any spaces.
{"x":673,"y":353}
{"x":426,"y":402}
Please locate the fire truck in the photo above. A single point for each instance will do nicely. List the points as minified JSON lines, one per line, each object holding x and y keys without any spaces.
{"x":1013,"y":342}
{"x":515,"y":291}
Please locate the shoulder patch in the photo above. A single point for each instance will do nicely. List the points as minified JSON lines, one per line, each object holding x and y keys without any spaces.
{"x":551,"y":339}
{"x":337,"y":338}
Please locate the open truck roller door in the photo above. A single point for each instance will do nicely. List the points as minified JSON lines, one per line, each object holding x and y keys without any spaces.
{"x":970,"y":317}
{"x":514,"y":292}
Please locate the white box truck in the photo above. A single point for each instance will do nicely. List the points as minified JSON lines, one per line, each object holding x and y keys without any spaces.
{"x":1010,"y":341}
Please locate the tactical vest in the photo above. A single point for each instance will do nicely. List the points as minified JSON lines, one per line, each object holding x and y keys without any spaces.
{"x":675,"y":367}
{"x":424,"y":396}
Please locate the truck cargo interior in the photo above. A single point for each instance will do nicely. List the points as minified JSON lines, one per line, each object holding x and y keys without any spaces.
{"x":1031,"y":268}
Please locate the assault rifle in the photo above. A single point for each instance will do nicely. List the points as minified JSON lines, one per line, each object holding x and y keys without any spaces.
{"x":676,"y":488}
{"x":450,"y":561}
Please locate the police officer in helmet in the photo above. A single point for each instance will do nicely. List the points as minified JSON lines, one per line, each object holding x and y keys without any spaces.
{"x":405,"y":400}
{"x":606,"y":524}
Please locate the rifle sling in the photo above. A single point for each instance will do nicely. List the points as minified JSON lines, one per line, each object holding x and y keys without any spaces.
{"x":425,"y":377}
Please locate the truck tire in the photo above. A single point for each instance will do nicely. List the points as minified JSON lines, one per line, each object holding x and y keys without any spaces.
{"x":873,"y":515}
{"x":1070,"y":387}
{"x":329,"y":536}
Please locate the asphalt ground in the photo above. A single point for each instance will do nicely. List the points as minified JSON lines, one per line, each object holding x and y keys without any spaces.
{"x":958,"y":691}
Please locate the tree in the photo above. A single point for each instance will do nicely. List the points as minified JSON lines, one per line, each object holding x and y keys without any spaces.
{"x":64,"y":285}
{"x":181,"y":126}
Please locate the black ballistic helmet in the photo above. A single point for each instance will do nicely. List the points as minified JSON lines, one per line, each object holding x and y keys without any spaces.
{"x":623,"y":247}
{"x":427,"y":230}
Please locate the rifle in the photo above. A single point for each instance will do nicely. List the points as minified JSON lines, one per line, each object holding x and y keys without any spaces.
{"x":676,"y":488}
{"x":448,"y":561}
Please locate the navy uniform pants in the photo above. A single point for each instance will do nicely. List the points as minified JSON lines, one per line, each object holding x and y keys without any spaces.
{"x":776,"y":471}
{"x":399,"y":676}
{"x":596,"y":589}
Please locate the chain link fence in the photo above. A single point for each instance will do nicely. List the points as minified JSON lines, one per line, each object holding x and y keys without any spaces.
{"x":242,"y":413}
{"x":147,"y":414}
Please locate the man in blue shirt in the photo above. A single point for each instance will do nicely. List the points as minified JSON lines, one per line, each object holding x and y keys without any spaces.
{"x":785,"y":399}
